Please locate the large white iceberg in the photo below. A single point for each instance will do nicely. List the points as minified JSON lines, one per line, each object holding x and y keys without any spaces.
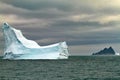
{"x":18,"y":47}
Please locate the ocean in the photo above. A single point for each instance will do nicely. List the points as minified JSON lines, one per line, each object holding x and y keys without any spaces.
{"x":74,"y":68}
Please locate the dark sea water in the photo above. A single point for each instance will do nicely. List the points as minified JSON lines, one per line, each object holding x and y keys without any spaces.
{"x":75,"y":68}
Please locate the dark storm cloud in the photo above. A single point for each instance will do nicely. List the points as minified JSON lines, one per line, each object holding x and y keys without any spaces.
{"x":73,"y":24}
{"x":34,"y":9}
{"x":95,"y":38}
{"x":39,"y":34}
{"x":39,"y":4}
{"x":45,"y":8}
{"x":48,"y":9}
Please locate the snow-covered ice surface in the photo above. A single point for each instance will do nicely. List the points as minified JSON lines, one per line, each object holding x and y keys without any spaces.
{"x":18,"y":47}
{"x":117,"y":53}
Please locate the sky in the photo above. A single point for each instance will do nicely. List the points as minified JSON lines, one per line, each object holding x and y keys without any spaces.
{"x":86,"y":25}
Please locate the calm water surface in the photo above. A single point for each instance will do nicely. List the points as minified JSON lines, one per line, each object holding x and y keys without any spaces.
{"x":75,"y":68}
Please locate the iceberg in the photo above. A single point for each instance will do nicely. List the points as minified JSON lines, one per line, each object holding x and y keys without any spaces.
{"x":18,"y":47}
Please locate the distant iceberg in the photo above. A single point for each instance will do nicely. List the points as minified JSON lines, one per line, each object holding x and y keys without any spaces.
{"x":18,"y":47}
{"x":106,"y":51}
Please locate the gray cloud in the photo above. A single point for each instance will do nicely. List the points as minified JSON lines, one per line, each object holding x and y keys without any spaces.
{"x":79,"y":22}
{"x":73,"y":24}
{"x":39,"y":4}
{"x":57,"y":8}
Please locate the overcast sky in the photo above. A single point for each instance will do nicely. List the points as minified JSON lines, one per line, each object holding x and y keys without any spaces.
{"x":86,"y":25}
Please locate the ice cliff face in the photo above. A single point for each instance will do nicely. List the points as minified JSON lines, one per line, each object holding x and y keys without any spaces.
{"x":18,"y":47}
